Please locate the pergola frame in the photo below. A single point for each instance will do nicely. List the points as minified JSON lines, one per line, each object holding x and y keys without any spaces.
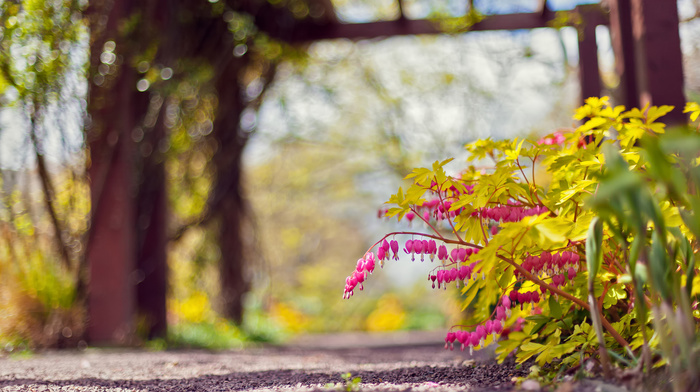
{"x":648,"y":57}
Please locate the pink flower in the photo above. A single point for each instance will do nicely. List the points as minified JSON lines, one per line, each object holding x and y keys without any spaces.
{"x":369,"y":265}
{"x":513,"y":296}
{"x":556,"y":138}
{"x":432,"y":249}
{"x":488,"y":325}
{"x":454,"y":274}
{"x":481,"y":333}
{"x":410,"y":216}
{"x":559,"y":138}
{"x":474,"y":340}
{"x":505,"y":301}
{"x":360,"y":265}
{"x":462,"y":254}
{"x":566,"y":256}
{"x":464,"y":273}
{"x":381,"y":254}
{"x":359,"y":277}
{"x":500,"y":313}
{"x":394,"y":249}
{"x":442,"y":253}
{"x":418,"y":248}
{"x":408,"y":248}
{"x":449,"y":339}
{"x":463,"y":338}
{"x":454,"y":255}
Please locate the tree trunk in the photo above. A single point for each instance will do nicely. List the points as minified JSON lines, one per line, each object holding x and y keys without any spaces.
{"x":229,"y":204}
{"x":151,"y":258}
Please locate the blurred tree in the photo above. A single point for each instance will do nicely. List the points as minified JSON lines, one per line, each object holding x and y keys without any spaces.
{"x":149,"y":61}
{"x":43,"y":193}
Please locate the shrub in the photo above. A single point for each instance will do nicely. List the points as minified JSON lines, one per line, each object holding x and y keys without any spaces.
{"x":577,"y":246}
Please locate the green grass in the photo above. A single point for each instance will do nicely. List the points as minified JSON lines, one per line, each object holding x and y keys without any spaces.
{"x":220,"y":335}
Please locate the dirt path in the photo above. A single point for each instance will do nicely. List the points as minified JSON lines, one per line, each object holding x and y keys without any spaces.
{"x":397,"y":362}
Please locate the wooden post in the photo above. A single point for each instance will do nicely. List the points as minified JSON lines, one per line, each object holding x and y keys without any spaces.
{"x":589,"y":72}
{"x":111,"y":249}
{"x":623,"y":47}
{"x":114,"y":111}
{"x":658,"y":55}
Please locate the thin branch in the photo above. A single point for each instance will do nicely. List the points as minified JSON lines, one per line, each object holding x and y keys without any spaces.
{"x":447,"y":213}
{"x":48,"y":189}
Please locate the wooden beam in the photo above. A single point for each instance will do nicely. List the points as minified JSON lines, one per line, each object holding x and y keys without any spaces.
{"x":542,"y":8}
{"x":358,"y":31}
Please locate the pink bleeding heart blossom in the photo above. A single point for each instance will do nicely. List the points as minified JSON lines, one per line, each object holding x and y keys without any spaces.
{"x":408,"y":248}
{"x":418,"y":248}
{"x":394,"y":245}
{"x":449,"y":340}
{"x":442,"y":253}
{"x":432,"y":249}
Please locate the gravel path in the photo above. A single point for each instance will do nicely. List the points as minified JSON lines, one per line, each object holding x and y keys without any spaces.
{"x":403,"y":362}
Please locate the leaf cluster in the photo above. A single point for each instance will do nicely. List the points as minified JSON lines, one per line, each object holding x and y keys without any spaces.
{"x":621,"y":191}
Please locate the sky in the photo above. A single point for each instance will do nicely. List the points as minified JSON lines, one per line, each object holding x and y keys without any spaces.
{"x":359,"y":11}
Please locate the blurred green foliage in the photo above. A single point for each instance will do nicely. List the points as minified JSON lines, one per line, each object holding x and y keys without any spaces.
{"x":39,"y":66}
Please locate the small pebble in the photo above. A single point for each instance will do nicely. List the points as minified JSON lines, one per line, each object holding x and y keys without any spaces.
{"x":530,"y":385}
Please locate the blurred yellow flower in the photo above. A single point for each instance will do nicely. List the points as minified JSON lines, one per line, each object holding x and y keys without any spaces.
{"x":389,"y":315}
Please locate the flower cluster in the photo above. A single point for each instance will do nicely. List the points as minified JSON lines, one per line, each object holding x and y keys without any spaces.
{"x":385,"y":248}
{"x":509,"y":213}
{"x":477,"y":337}
{"x":560,"y":266}
{"x":463,"y":273}
{"x":438,"y":208}
{"x":422,"y":248}
{"x":532,"y":297}
{"x":445,"y":276}
{"x":364,"y":265}
{"x":556,"y":138}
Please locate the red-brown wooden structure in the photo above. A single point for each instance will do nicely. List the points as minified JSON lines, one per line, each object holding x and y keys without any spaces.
{"x":125,"y":276}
